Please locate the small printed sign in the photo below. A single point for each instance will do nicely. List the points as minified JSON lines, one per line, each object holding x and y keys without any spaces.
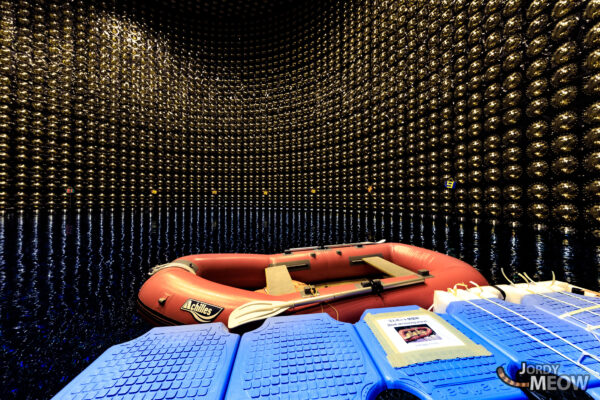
{"x":69,"y":190}
{"x":449,"y":184}
{"x":417,"y":332}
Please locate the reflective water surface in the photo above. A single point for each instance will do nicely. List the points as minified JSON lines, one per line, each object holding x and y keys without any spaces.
{"x":68,"y":281}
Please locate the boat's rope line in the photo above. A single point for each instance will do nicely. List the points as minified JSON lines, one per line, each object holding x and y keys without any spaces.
{"x":529,"y":281}
{"x":514,"y":312}
{"x":577,"y":310}
{"x":583,"y":352}
{"x":337,"y":315}
{"x":569,"y":314}
{"x":588,"y":327}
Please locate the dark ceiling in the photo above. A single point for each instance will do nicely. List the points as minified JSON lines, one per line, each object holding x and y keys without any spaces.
{"x":237,"y":9}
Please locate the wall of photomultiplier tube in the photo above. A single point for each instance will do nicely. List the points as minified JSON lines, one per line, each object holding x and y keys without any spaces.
{"x":329,"y":104}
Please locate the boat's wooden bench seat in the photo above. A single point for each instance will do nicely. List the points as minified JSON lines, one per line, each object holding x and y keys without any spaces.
{"x":388,"y":268}
{"x":279,"y":280}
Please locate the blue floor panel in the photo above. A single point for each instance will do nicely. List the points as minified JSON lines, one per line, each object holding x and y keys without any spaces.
{"x":183,"y":362}
{"x":502,"y":324}
{"x":472,"y":377}
{"x":306,"y":357}
{"x":559,"y":303}
{"x":303,"y":357}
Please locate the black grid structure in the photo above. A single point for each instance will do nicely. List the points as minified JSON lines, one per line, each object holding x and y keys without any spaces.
{"x":318,"y":104}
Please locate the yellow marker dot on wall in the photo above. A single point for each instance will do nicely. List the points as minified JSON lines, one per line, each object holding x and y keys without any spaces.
{"x":154,"y":191}
{"x":370,"y":189}
{"x":214,"y":192}
{"x":313,"y":191}
{"x":265,"y":192}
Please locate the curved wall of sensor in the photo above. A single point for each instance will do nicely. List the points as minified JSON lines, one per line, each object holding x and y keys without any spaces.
{"x":330,"y":104}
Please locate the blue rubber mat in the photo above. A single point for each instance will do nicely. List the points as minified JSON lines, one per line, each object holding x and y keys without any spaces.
{"x":472,"y":377}
{"x":303,"y":357}
{"x":559,"y":303}
{"x":183,"y":362}
{"x":503,"y":324}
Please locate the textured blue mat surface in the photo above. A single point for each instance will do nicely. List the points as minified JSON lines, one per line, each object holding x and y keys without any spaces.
{"x":183,"y":362}
{"x":303,"y":357}
{"x":472,"y":377}
{"x":560,"y":303}
{"x":503,"y":325}
{"x":315,"y":357}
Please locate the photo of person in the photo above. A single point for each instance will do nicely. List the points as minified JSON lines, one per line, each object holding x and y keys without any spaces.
{"x":417,"y":333}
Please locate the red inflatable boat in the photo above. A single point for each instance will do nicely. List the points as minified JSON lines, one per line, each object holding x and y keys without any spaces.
{"x":341,"y":280}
